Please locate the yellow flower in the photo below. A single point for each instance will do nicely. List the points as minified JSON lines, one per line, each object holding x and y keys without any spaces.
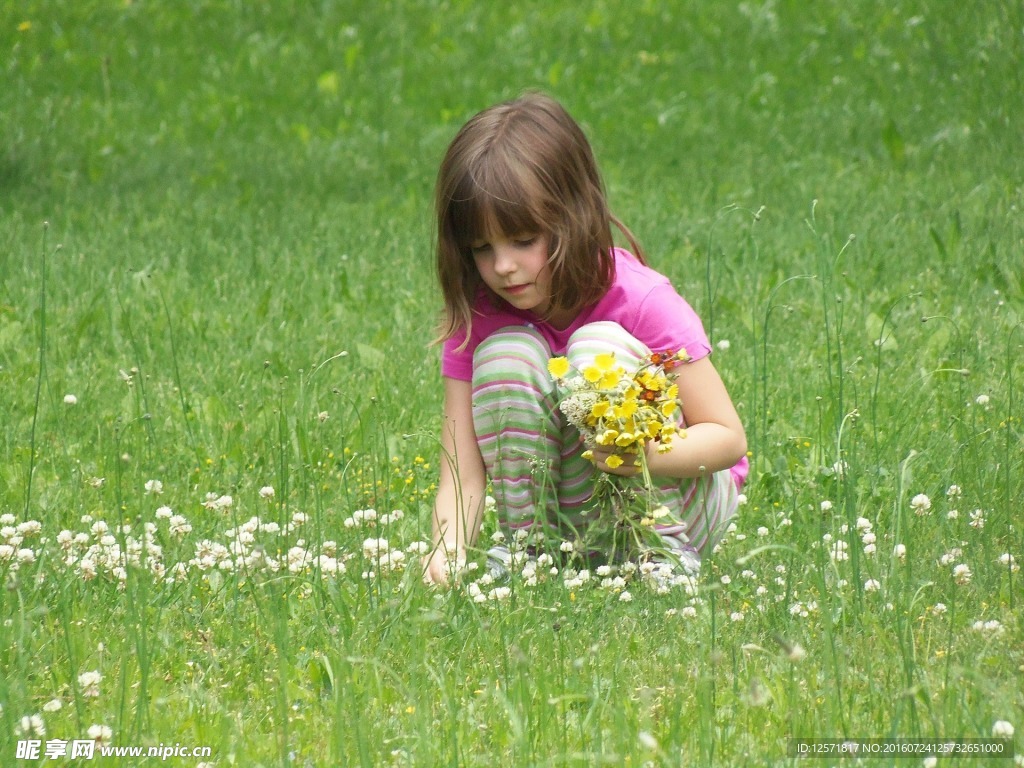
{"x":609,"y":380}
{"x":625,"y":440}
{"x":588,"y":455}
{"x":614,"y":461}
{"x":592,"y":374}
{"x":25,"y":26}
{"x":668,"y":408}
{"x":558,"y":367}
{"x":607,"y":437}
{"x":600,"y":409}
{"x":627,"y":409}
{"x":605,"y":361}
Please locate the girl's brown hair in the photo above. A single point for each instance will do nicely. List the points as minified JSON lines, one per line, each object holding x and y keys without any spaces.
{"x":523,"y":166}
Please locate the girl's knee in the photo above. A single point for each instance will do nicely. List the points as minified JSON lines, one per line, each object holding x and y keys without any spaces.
{"x":591,"y":339}
{"x":512,"y":353}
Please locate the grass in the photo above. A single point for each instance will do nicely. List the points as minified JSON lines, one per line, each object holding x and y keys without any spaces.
{"x":235,"y":286}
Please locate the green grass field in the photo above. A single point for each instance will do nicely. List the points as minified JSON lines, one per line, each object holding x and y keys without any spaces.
{"x":216,"y":302}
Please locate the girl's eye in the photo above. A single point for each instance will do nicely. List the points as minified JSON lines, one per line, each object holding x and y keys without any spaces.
{"x":480,"y":248}
{"x":525,"y":242}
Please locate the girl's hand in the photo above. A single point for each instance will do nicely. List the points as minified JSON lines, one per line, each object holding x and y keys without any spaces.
{"x":442,"y":564}
{"x":630,"y":466}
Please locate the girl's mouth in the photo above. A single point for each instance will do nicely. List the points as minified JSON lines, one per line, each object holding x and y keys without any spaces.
{"x":515,"y":290}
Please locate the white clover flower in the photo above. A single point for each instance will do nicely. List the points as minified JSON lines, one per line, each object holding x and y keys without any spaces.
{"x":53,"y":705}
{"x":962,"y":574}
{"x":164,"y":513}
{"x":796,"y":653}
{"x":31,"y":725}
{"x":499,"y":593}
{"x":1002,"y":729}
{"x":982,"y":400}
{"x":899,"y":552}
{"x":938,"y":609}
{"x":375,"y":547}
{"x":418,"y":548}
{"x":872,"y":585}
{"x":688,"y":612}
{"x":741,"y":499}
{"x":625,"y":596}
{"x":953,"y":492}
{"x":977,"y":519}
{"x":762,"y":532}
{"x":101,"y":734}
{"x":179,"y":526}
{"x":90,"y":683}
{"x":736,"y":616}
{"x":826,"y":505}
{"x":70,"y":399}
{"x":1007,"y":560}
{"x":8,"y":519}
{"x":267,"y":492}
{"x":26,"y":556}
{"x":154,"y":487}
{"x":323,"y":416}
{"x":567,"y":546}
{"x":921,"y":504}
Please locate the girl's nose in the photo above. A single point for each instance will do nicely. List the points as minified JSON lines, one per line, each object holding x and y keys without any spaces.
{"x":504,"y":263}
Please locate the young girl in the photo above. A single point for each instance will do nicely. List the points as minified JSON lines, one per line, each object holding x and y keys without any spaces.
{"x":528,"y":270}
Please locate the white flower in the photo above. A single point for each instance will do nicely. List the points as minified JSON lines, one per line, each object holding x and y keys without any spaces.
{"x":99,"y":733}
{"x":1002,"y":729}
{"x":723,"y":344}
{"x":53,"y":705}
{"x":741,"y":499}
{"x":625,"y":596}
{"x":797,"y":653}
{"x":647,"y":741}
{"x":899,"y":552}
{"x":154,"y":487}
{"x":1006,"y":559}
{"x":267,"y":492}
{"x":953,"y":492}
{"x":977,"y":519}
{"x":90,"y":683}
{"x":872,"y":585}
{"x":826,"y":505}
{"x":930,"y":762}
{"x":30,"y":725}
{"x":736,"y":616}
{"x":164,"y":513}
{"x":323,"y":416}
{"x":762,"y":531}
{"x":921,"y":504}
{"x":962,"y":574}
{"x":982,"y":400}
{"x":953,"y":514}
{"x":70,"y":400}
{"x":938,"y":609}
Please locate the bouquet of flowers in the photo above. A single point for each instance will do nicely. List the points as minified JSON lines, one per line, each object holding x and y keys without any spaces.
{"x":624,"y":411}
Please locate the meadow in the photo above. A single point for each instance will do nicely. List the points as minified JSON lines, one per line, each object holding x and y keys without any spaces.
{"x":220,"y":404}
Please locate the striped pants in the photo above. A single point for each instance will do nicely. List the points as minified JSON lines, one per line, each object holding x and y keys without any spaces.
{"x":533,"y":455}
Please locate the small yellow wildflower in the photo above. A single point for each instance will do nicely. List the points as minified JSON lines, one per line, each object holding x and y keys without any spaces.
{"x":605,"y":361}
{"x":614,"y":461}
{"x":558,"y":367}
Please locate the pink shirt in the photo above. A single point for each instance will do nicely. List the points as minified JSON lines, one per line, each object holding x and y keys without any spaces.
{"x":641,"y":300}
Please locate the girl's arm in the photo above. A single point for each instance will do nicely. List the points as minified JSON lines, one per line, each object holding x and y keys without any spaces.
{"x":462,"y":484}
{"x":714,"y":440}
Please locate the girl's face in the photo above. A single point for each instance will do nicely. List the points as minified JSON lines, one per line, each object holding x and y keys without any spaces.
{"x":516,"y":268}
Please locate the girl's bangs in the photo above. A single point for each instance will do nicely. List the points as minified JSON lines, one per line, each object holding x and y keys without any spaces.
{"x":495,"y":200}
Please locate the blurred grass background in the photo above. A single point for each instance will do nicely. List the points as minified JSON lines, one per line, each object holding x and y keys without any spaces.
{"x":240,"y":191}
